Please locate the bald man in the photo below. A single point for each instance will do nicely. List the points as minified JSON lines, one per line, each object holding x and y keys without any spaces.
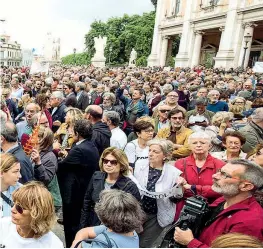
{"x":101,"y":133}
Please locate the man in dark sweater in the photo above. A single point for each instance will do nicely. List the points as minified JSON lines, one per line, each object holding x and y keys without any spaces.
{"x":216,"y":105}
{"x":101,"y":133}
{"x":9,"y":144}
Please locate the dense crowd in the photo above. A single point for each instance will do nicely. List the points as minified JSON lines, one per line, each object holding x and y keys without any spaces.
{"x":113,"y":154}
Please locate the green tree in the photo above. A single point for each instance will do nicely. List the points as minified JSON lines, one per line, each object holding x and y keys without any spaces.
{"x":78,"y":59}
{"x":154,"y":2}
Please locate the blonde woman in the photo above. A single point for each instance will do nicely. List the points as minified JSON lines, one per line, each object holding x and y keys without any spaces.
{"x":9,"y":174}
{"x":114,"y":168}
{"x":32,"y":219}
{"x":221,"y":122}
{"x":64,"y":135}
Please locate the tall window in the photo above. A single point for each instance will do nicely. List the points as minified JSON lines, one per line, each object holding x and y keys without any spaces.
{"x":214,"y":2}
{"x":177,"y":6}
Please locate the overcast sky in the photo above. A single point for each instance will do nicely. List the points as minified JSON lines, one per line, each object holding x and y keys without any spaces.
{"x":28,"y":21}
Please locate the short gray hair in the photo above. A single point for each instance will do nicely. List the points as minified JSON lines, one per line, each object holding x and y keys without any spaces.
{"x":113,"y":116}
{"x":166,"y":146}
{"x":9,"y":132}
{"x":3,"y":117}
{"x":167,"y":87}
{"x":199,"y":134}
{"x":111,"y":96}
{"x":124,"y":213}
{"x":201,"y":101}
{"x":257,"y":115}
{"x":58,"y":95}
{"x":253,"y":172}
{"x":81,"y":85}
{"x":213,"y":92}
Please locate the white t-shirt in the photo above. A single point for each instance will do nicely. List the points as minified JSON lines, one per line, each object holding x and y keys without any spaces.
{"x":118,"y":138}
{"x":9,"y":237}
{"x":135,"y":153}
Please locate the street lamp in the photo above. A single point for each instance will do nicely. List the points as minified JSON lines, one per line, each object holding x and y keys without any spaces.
{"x":110,"y":49}
{"x":247,"y":39}
{"x":74,"y":51}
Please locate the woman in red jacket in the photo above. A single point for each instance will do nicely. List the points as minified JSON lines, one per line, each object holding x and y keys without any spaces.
{"x":198,"y":169}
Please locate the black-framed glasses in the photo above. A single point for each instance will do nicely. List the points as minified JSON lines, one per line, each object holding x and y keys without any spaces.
{"x":112,"y":162}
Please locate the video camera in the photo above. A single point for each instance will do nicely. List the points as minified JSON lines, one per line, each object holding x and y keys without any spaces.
{"x":193,"y":216}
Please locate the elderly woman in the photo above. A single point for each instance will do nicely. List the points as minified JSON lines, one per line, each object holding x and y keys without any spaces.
{"x":108,"y":104}
{"x":124,"y":215}
{"x":46,"y":164}
{"x":137,"y":150}
{"x":10,"y":174}
{"x":31,"y":221}
{"x":221,"y":122}
{"x":198,"y":169}
{"x":64,"y":135}
{"x":232,"y":141}
{"x":156,"y":176}
{"x":114,"y":168}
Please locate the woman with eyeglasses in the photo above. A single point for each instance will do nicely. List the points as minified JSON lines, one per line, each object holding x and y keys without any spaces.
{"x":137,"y":150}
{"x":31,"y":220}
{"x":10,"y":174}
{"x":114,"y":168}
{"x":197,"y":170}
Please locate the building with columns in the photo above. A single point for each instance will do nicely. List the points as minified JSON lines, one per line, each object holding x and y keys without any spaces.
{"x":215,"y":33}
{"x":10,"y":52}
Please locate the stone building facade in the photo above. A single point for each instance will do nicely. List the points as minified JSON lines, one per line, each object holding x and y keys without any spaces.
{"x":10,"y":52}
{"x":51,"y":50}
{"x":212,"y":32}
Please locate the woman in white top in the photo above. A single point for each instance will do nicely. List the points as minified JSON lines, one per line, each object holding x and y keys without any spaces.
{"x":157,"y":176}
{"x":137,"y":150}
{"x":32,"y":219}
{"x":9,"y":174}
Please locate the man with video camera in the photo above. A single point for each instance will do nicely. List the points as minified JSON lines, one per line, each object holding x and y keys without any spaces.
{"x":237,"y":211}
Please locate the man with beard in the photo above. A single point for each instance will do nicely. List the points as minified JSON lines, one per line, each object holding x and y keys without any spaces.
{"x":237,"y":211}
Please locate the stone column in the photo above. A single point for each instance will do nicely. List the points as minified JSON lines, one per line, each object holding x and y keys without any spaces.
{"x":153,"y":59}
{"x":249,"y":29}
{"x":164,"y":50}
{"x":197,"y":48}
{"x":225,"y":56}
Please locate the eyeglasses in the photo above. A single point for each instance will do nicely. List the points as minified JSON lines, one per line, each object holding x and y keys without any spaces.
{"x":226,"y":175}
{"x":112,"y":162}
{"x":179,"y":118}
{"x":163,"y":111}
{"x":259,"y":153}
{"x":148,"y":131}
{"x":173,"y":96}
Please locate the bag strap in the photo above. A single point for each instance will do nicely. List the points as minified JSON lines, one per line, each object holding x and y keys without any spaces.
{"x":107,"y":245}
{"x":7,"y":200}
{"x":185,"y":174}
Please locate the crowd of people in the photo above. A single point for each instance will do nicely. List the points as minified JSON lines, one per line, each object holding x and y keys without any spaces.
{"x":113,"y":154}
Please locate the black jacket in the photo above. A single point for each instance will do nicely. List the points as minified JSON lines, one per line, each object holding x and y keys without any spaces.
{"x":74,"y":174}
{"x":59,"y":115}
{"x":26,"y":170}
{"x":96,"y":185}
{"x":83,"y":101}
{"x":101,"y":135}
{"x":71,"y":100}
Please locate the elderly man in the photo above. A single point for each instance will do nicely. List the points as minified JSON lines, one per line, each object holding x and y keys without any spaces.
{"x":22,"y":127}
{"x":82,"y":96}
{"x":216,"y":105}
{"x":118,"y":137}
{"x":58,"y":109}
{"x":9,"y":144}
{"x":199,"y":118}
{"x":161,"y":120}
{"x":101,"y":133}
{"x":177,"y":133}
{"x":237,"y":211}
{"x":253,"y":131}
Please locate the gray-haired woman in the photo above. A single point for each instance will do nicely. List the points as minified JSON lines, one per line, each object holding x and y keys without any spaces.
{"x":156,"y":176}
{"x":121,"y":215}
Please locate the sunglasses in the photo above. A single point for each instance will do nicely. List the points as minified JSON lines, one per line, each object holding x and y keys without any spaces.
{"x":19,"y":208}
{"x":163,"y":111}
{"x":112,"y":162}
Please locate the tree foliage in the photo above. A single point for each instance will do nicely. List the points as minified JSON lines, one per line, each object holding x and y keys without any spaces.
{"x":154,"y":2}
{"x":76,"y":59}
